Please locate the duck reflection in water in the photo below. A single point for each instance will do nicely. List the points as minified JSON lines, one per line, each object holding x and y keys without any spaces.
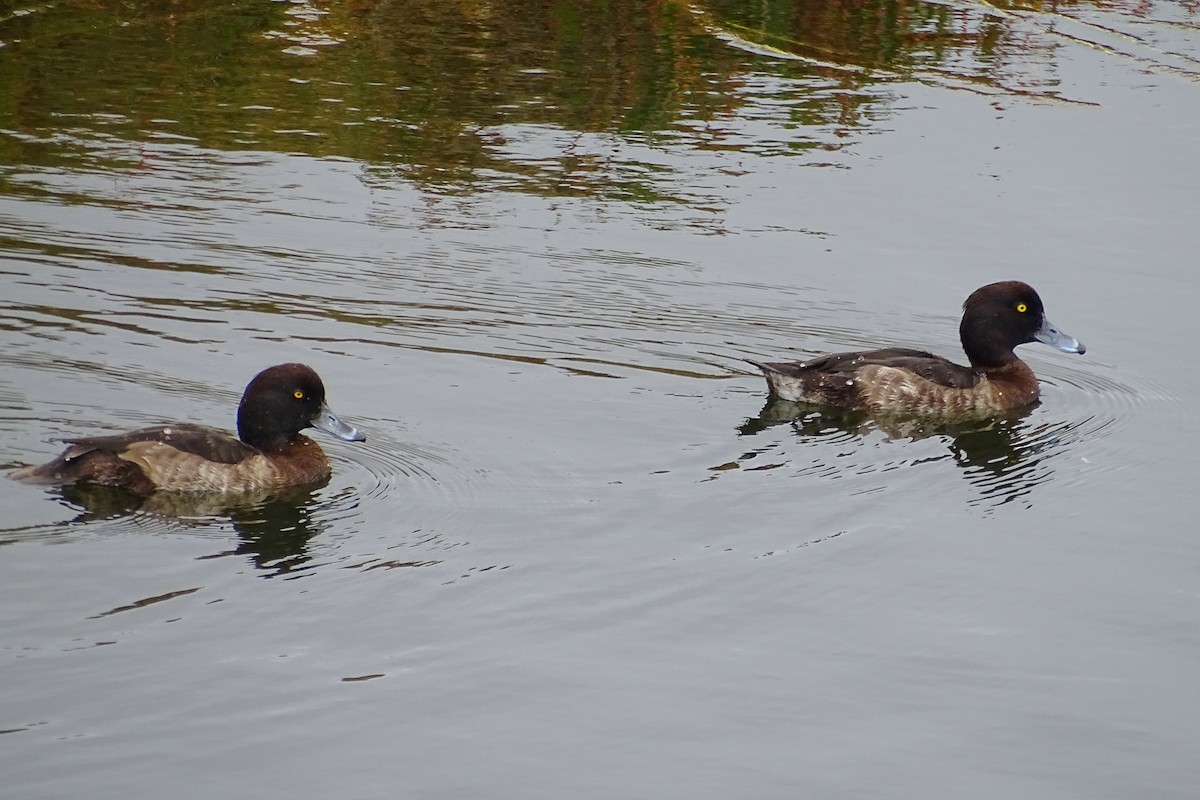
{"x":998,"y":453}
{"x":273,"y":528}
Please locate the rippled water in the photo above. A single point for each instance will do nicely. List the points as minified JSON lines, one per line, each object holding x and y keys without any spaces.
{"x":528,"y":248}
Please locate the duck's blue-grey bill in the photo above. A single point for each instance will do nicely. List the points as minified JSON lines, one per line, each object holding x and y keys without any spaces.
{"x":1048,"y":334}
{"x":327,"y":421}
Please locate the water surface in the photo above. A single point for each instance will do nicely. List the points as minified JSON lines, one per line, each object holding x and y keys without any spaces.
{"x":527,"y":246}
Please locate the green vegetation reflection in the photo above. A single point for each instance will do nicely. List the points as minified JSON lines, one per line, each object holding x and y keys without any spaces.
{"x":558,"y":98}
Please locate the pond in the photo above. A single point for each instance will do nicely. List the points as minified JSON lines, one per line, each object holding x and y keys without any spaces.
{"x":528,"y":247}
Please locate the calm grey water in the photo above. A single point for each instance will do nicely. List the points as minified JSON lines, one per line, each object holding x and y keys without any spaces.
{"x":527,"y":246}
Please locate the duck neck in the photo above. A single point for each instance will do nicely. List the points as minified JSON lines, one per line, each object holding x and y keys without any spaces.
{"x":257,"y":428}
{"x":985,"y":347}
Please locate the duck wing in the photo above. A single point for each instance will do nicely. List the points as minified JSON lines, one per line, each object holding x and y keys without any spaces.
{"x":844,"y":365}
{"x":210,"y":444}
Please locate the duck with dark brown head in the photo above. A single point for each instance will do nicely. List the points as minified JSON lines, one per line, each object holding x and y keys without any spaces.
{"x":268,"y":453}
{"x":996,"y":319}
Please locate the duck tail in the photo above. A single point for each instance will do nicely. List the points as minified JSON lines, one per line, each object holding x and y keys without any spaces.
{"x":767,"y":369}
{"x":44,"y":474}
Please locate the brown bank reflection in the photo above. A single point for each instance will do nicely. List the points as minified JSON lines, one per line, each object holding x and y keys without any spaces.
{"x":452,"y":95}
{"x":273,"y":529}
{"x":1002,"y":456}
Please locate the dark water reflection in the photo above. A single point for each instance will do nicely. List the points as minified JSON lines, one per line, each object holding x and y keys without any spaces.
{"x":273,"y":529}
{"x":1004,"y":457}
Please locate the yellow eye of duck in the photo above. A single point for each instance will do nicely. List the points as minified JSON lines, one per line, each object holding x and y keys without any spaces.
{"x":1020,"y":307}
{"x":299,"y":395}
